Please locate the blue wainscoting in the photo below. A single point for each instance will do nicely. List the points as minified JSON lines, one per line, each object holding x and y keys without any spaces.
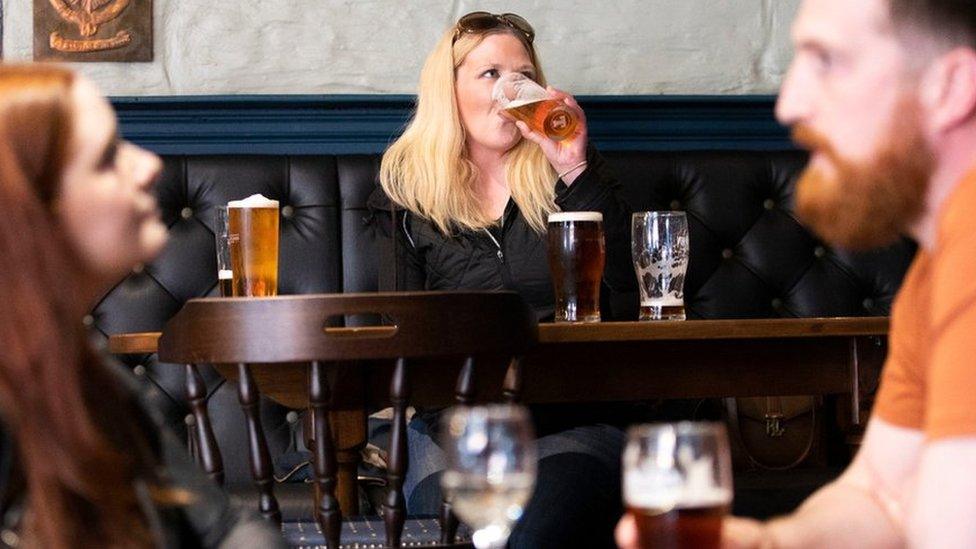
{"x":349,"y":124}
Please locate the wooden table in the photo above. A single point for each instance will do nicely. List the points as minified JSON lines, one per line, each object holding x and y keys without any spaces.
{"x":614,"y":361}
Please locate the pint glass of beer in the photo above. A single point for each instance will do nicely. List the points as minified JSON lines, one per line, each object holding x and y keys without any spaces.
{"x":253,"y":234}
{"x":576,"y":258}
{"x":659,"y":246}
{"x":678,"y":484}
{"x":529,"y":102}
{"x":225,"y":276}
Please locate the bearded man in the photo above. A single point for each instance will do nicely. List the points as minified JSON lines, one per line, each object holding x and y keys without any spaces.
{"x":883,"y":94}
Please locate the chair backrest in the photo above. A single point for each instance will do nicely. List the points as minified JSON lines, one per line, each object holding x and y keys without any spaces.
{"x":302,"y":328}
{"x":309,"y":329}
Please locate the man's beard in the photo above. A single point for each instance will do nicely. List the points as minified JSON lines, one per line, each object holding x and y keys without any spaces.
{"x":871,"y":203}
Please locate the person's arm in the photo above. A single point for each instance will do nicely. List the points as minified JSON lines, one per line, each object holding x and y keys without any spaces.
{"x":865,"y":507}
{"x":943,"y":512}
{"x":406,"y":272}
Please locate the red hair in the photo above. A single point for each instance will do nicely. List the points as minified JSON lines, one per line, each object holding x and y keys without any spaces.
{"x":79,"y":447}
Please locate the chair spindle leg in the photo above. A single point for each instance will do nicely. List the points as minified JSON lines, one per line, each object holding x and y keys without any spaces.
{"x":207,"y":451}
{"x":395,"y":507}
{"x":464,"y":393}
{"x":327,"y":511}
{"x":247,"y":394}
{"x":512,"y":389}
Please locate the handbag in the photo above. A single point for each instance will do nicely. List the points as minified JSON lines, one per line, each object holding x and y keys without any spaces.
{"x":774,"y":433}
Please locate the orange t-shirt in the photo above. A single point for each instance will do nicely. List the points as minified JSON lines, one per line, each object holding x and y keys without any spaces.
{"x":929,"y":379}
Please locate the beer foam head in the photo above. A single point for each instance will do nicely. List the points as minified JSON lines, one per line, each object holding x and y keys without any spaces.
{"x":661,"y":490}
{"x":560,"y":217}
{"x":253,"y":201}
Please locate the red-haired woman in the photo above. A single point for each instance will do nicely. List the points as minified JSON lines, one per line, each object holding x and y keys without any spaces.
{"x":83,"y":461}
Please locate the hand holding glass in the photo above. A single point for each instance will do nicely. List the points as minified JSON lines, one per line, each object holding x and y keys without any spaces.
{"x":491,"y":467}
{"x":678,"y":484}
{"x":529,"y":102}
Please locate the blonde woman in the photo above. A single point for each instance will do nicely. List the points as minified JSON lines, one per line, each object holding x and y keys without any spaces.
{"x":471,"y":190}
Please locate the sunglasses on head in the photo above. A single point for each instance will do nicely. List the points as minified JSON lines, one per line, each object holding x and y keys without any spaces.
{"x":481,"y":21}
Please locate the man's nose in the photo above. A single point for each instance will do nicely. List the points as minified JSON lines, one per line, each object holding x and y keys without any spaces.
{"x":794,"y":102}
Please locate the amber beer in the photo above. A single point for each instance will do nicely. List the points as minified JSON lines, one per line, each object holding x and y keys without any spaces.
{"x":253,"y":235}
{"x":546,"y":116}
{"x":682,"y":527}
{"x":576,"y":258}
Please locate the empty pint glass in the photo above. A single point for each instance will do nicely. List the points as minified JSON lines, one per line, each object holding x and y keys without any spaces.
{"x":529,"y":102}
{"x":253,"y":234}
{"x":659,"y":246}
{"x":225,"y":278}
{"x":576,"y":258}
{"x":678,"y":484}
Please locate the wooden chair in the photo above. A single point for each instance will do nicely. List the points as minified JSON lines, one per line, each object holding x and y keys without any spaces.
{"x":244,"y":336}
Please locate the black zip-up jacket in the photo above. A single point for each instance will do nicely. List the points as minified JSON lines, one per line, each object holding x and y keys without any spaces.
{"x":511,"y":255}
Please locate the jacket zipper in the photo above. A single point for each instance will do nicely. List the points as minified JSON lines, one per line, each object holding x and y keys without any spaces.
{"x":506,"y":274}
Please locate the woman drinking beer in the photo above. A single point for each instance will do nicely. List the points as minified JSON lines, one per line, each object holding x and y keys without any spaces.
{"x":84,"y":461}
{"x":471,"y":190}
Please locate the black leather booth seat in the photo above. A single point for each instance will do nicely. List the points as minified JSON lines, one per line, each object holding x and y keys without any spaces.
{"x":750,"y":258}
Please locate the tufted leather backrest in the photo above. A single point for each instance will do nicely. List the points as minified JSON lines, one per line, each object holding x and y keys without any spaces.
{"x":750,"y":258}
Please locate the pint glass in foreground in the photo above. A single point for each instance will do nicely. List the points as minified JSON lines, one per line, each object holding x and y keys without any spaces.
{"x":659,"y":246}
{"x":576,"y":258}
{"x":678,"y":484}
{"x":253,"y":234}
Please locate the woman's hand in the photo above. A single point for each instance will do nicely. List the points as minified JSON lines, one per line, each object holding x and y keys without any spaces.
{"x":568,"y":156}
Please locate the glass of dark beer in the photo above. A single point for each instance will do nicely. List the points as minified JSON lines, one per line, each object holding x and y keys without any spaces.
{"x":529,"y":102}
{"x":659,"y":246}
{"x":576,"y":258}
{"x":225,"y":277}
{"x":253,"y":234}
{"x":678,"y":484}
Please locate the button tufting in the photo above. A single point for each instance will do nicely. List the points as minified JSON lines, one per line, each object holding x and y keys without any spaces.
{"x":727,"y":253}
{"x":287,"y":212}
{"x":190,"y":419}
{"x":139,"y":370}
{"x":675,"y":205}
{"x":138,"y":268}
{"x":868,"y":303}
{"x":87,"y":320}
{"x":186,"y":213}
{"x":820,"y":252}
{"x":292,"y":417}
{"x":769,"y":203}
{"x":777,"y":303}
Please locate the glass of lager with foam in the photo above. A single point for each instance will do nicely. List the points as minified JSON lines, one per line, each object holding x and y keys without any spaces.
{"x":678,"y":484}
{"x":576,"y":257}
{"x":252,"y":230}
{"x":659,"y":247}
{"x":529,"y":102}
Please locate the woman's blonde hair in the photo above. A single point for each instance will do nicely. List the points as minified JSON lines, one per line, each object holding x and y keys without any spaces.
{"x":427,"y":170}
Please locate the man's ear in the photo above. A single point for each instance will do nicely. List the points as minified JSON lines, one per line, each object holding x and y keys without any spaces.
{"x":948,"y":90}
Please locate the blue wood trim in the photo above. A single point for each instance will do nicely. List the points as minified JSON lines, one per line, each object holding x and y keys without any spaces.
{"x":350,"y":124}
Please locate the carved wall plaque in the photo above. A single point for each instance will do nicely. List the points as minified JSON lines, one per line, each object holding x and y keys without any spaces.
{"x":93,"y":30}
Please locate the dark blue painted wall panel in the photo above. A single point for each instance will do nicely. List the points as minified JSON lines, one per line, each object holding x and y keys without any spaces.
{"x":346,"y":124}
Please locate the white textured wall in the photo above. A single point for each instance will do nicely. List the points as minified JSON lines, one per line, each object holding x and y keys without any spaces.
{"x":378,"y":46}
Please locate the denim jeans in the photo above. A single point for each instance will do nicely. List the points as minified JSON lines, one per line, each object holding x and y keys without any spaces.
{"x":577,"y":499}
